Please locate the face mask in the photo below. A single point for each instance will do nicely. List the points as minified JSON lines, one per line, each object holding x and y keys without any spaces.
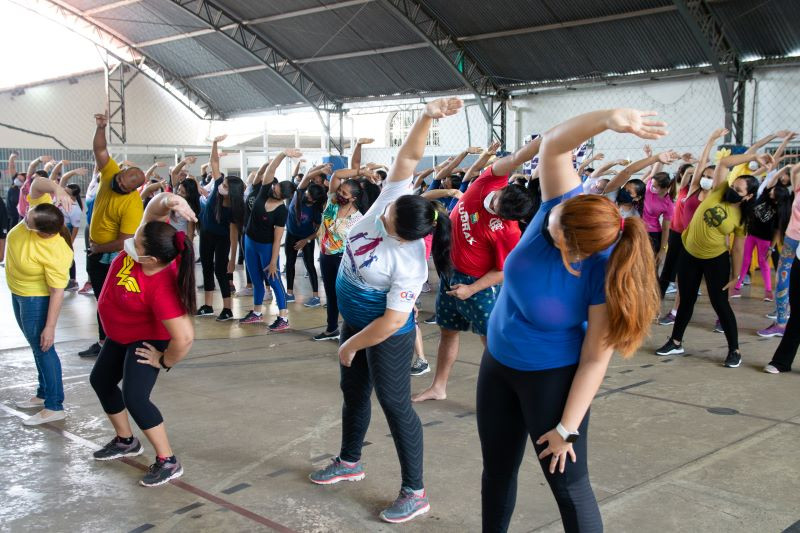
{"x":706,"y":183}
{"x":732,"y":197}
{"x":753,"y":165}
{"x":341,"y":200}
{"x":487,"y":202}
{"x":624,"y":197}
{"x":115,"y":186}
{"x":596,"y":189}
{"x":380,"y":229}
{"x":18,"y":182}
{"x":130,"y":248}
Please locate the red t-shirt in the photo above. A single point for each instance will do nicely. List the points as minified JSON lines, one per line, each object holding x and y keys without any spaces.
{"x":132,"y":304}
{"x":690,"y":205}
{"x":481,"y":240}
{"x":676,"y":223}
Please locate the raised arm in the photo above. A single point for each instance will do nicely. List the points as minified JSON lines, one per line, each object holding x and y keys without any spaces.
{"x":338,"y":176}
{"x":795,"y":177}
{"x":481,"y":162}
{"x":454,"y":162}
{"x":151,"y":188}
{"x":413,"y":147}
{"x":625,"y":174}
{"x":758,"y":145}
{"x":41,"y":186}
{"x":558,"y":176}
{"x":214,"y":159}
{"x":161,"y":205}
{"x":68,"y":175}
{"x":316,"y":171}
{"x":42,"y":159}
{"x":702,"y":163}
{"x":507,"y":164}
{"x":355,"y":162}
{"x":99,"y":146}
{"x":269,"y":173}
{"x":11,"y":169}
{"x":296,"y":170}
{"x":58,"y":169}
{"x":606,"y":169}
{"x":176,"y":171}
{"x":588,"y":161}
{"x":726,"y":163}
{"x":421,"y":177}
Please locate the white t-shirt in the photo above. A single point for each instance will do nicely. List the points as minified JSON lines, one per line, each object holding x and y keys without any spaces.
{"x":73,"y":218}
{"x":378,"y":271}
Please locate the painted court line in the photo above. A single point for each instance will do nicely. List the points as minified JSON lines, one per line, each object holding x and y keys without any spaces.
{"x":36,"y":383}
{"x":176,"y":482}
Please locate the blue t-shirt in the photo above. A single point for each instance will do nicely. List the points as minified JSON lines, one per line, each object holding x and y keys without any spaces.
{"x":208,"y":213}
{"x":309,"y":219}
{"x":539,"y":321}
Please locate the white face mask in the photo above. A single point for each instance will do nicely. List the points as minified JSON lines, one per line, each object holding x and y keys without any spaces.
{"x":18,"y":182}
{"x":753,"y":165}
{"x":705,"y":183}
{"x":130,"y":248}
{"x":487,"y":202}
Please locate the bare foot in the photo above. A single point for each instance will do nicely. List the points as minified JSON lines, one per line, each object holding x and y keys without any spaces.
{"x":430,"y":393}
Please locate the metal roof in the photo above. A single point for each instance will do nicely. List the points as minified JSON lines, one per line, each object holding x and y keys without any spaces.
{"x":244,"y":56}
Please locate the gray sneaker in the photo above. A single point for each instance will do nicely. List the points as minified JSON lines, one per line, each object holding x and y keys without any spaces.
{"x":160,"y":472}
{"x":116,"y":449}
{"x":407,"y":506}
{"x":420,"y":366}
{"x":337,"y":471}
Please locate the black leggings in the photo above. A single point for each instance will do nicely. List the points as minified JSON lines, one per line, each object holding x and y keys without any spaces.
{"x":385,"y":367}
{"x":308,"y":261}
{"x":513,"y":405}
{"x":329,"y":265}
{"x":214,"y":250}
{"x":97,"y":272}
{"x":717,"y":272}
{"x":655,"y":241}
{"x":787,"y":349}
{"x":670,"y":270}
{"x":119,"y":362}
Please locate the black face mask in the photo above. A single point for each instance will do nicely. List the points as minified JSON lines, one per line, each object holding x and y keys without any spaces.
{"x":732,"y":197}
{"x":115,"y":185}
{"x":624,"y":197}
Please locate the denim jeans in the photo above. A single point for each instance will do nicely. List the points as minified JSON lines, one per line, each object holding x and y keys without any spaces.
{"x":31,"y":315}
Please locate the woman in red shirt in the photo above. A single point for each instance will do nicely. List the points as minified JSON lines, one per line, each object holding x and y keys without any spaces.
{"x":144,"y":308}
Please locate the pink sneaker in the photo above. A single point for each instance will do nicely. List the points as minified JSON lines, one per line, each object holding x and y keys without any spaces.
{"x":769,"y":296}
{"x":773,"y":330}
{"x":736,"y":293}
{"x":86,"y":289}
{"x":251,"y":318}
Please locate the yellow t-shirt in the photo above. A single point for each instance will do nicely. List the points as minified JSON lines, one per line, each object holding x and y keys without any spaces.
{"x":712,"y":222}
{"x":43,"y":199}
{"x":34,"y":263}
{"x":114,"y":213}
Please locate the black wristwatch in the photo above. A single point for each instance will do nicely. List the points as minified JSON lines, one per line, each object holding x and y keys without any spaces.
{"x":568,"y":436}
{"x":161,"y":362}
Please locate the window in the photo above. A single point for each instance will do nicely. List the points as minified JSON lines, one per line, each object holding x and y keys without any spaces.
{"x":400,"y":124}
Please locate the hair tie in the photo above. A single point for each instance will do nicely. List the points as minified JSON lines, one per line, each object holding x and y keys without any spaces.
{"x":435,"y":215}
{"x":180,"y":241}
{"x":622,"y":223}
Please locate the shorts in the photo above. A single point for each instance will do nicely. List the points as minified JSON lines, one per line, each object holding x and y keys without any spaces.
{"x":463,"y":315}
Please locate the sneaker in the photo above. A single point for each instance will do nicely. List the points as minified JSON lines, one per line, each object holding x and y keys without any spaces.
{"x":72,"y":286}
{"x":337,"y":471}
{"x":313,"y":302}
{"x":116,"y":449}
{"x":774,"y":330}
{"x":91,"y":351}
{"x":246,"y":291}
{"x":769,"y":369}
{"x":667,"y":320}
{"x":769,"y":296}
{"x":746,"y":280}
{"x":160,"y":472}
{"x":420,"y":366}
{"x":718,"y":327}
{"x":426,"y":287}
{"x":290,"y":299}
{"x":225,"y":315}
{"x":772,"y":315}
{"x":733,"y":360}
{"x":33,"y":403}
{"x":325,"y":336}
{"x":408,"y":505}
{"x":430,"y":320}
{"x":672,"y":289}
{"x":86,"y":289}
{"x":201,"y":286}
{"x":39,"y":418}
{"x":205,"y":310}
{"x":281,"y":323}
{"x":670,"y":348}
{"x":736,"y":293}
{"x":252,"y":318}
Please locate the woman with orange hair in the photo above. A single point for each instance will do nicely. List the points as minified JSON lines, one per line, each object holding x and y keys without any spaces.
{"x":579,"y":285}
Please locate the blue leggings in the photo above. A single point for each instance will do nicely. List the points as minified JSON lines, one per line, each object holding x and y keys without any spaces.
{"x":257,"y":256}
{"x":782,"y":290}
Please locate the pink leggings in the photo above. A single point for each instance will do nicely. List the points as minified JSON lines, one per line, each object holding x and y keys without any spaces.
{"x":763,"y":261}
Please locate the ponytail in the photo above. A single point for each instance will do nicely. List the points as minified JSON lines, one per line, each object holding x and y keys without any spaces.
{"x":441,"y":244}
{"x":186,"y":288}
{"x":416,"y":218}
{"x":66,"y":235}
{"x":166,"y":244}
{"x":632,"y":297}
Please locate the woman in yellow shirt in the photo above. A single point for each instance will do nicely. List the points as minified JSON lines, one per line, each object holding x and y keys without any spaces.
{"x":37,"y":269}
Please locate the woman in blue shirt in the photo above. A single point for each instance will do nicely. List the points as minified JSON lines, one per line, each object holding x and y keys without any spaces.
{"x":579,"y":285}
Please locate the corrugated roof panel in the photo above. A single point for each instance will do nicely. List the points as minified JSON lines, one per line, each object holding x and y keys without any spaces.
{"x":252,"y":9}
{"x":149,"y":19}
{"x":269,"y":84}
{"x":362,"y":27}
{"x":232,"y":94}
{"x":83,"y":5}
{"x":765,"y":29}
{"x":201,"y":55}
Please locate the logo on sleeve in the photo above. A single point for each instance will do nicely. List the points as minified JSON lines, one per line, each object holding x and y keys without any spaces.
{"x":408,"y":296}
{"x":125,"y":279}
{"x":495,"y":224}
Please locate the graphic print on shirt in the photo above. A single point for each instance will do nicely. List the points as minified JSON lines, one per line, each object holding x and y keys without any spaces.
{"x":125,"y":278}
{"x":364,"y":249}
{"x":714,"y":216}
{"x":465,"y":219}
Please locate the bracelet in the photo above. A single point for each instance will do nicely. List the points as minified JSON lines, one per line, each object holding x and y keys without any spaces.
{"x":163,"y":365}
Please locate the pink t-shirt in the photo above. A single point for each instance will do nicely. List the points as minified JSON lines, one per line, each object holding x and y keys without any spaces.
{"x":655,"y":206}
{"x":793,"y":230}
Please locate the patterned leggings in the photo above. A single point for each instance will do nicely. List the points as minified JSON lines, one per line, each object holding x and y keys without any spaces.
{"x":784,"y":268}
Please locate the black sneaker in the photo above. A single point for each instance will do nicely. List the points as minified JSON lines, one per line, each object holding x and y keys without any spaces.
{"x":91,"y":351}
{"x":116,"y":449}
{"x":280,"y":324}
{"x":733,"y":360}
{"x":160,"y":472}
{"x":430,"y":320}
{"x":226,"y":314}
{"x":325,"y":336}
{"x":670,"y":348}
{"x":419,"y":367}
{"x":205,"y":310}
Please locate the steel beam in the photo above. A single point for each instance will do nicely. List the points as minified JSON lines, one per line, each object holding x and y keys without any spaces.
{"x":498,"y":128}
{"x":115,"y":77}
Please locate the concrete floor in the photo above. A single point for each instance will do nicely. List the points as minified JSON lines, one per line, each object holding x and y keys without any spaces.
{"x":677,"y":443}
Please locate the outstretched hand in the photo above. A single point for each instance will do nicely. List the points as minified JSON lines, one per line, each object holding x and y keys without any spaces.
{"x":220,"y":138}
{"x":179,"y":206}
{"x":443,"y":107}
{"x":668,"y":157}
{"x":638,"y":123}
{"x":101,"y":120}
{"x":293,"y":153}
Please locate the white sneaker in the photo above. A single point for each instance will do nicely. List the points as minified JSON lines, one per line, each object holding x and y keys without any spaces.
{"x":38,"y":418}
{"x":245,"y":291}
{"x":672,"y":289}
{"x":769,"y":369}
{"x":30,"y":404}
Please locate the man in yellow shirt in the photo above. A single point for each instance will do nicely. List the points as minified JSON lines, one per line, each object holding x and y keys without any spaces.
{"x":116,"y":214}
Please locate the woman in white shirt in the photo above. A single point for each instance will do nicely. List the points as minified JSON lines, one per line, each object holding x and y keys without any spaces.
{"x":379,"y":279}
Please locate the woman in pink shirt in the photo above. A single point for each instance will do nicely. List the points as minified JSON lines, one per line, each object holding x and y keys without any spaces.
{"x":657,"y":212}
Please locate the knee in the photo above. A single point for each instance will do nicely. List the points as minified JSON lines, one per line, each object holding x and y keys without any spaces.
{"x":98,"y":382}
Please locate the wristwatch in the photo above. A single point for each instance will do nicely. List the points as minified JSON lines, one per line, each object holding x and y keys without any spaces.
{"x":168,"y":368}
{"x":568,"y":436}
